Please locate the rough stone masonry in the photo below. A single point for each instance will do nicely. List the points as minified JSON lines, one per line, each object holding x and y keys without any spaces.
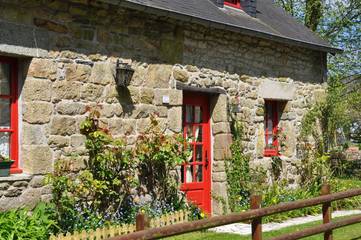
{"x":83,"y":41}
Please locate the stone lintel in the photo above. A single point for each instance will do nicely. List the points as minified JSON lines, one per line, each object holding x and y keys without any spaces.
{"x":276,"y":90}
{"x":21,"y":40}
{"x":212,"y":90}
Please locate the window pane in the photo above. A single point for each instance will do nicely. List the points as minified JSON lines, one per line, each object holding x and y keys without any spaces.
{"x":198,"y":134}
{"x":270,"y":139}
{"x":5,"y":144}
{"x":191,"y":150}
{"x":269,"y":125}
{"x":189,"y":174}
{"x":189,"y":113}
{"x":199,"y":173}
{"x":189,"y":133}
{"x":197,"y":114}
{"x":4,"y":113}
{"x":199,"y":149}
{"x":4,"y":79}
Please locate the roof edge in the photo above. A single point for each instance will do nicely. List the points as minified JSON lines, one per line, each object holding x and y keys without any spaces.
{"x":210,"y":23}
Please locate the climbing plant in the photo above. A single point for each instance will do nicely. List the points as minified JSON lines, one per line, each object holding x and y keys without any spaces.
{"x":325,"y":118}
{"x":237,"y":170}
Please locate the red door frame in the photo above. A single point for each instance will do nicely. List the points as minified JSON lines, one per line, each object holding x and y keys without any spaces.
{"x":13,"y":130}
{"x":198,"y":99}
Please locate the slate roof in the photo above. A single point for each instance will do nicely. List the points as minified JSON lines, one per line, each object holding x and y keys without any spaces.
{"x":272,"y":22}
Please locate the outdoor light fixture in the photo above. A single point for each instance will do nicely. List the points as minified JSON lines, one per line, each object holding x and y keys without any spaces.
{"x":124,"y":74}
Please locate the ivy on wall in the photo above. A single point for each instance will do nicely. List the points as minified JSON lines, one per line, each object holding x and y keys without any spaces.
{"x":237,"y":170}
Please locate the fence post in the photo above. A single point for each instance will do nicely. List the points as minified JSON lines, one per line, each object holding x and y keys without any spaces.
{"x":326,"y":210}
{"x":142,"y":222}
{"x":256,"y":222}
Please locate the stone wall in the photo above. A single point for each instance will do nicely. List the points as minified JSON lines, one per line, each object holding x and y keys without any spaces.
{"x":22,"y":190}
{"x":83,"y":42}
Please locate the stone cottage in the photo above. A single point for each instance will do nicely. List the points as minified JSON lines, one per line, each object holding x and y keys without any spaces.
{"x":196,"y":65}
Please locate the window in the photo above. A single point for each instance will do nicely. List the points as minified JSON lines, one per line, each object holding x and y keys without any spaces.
{"x":271,"y":128}
{"x":233,"y":3}
{"x":9,"y":111}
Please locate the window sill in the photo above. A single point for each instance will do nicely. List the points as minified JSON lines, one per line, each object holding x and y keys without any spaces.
{"x":236,"y":6}
{"x":270,"y":153}
{"x":16,"y":177}
{"x":15,"y":170}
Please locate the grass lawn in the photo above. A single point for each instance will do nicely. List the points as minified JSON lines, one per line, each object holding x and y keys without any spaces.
{"x":352,"y":232}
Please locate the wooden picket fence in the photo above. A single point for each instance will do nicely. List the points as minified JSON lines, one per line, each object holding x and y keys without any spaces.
{"x":112,"y":231}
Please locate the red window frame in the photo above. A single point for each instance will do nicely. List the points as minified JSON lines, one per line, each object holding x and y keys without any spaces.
{"x":231,"y":4}
{"x":274,"y":117}
{"x":13,"y":97}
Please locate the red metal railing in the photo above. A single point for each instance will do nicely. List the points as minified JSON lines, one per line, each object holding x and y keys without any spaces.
{"x":255,"y":215}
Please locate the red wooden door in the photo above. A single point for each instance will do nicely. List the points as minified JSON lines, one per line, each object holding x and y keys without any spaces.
{"x":196,"y":173}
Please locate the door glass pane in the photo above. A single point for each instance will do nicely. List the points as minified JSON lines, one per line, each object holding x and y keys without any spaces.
{"x":189,"y":173}
{"x":189,"y":113}
{"x":198,"y":134}
{"x":199,"y":173}
{"x":199,"y":149}
{"x":5,"y":144}
{"x":4,"y":79}
{"x":4,"y":113}
{"x":197,"y":114}
{"x":191,"y":150}
{"x":189,"y":134}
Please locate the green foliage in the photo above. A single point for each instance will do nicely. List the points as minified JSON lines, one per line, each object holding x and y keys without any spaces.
{"x":276,"y":167}
{"x":108,"y":190}
{"x":280,"y":193}
{"x":237,"y":171}
{"x":243,"y":181}
{"x":157,"y":154}
{"x":25,"y":224}
{"x":315,"y":171}
{"x":339,"y":185}
{"x":313,"y":13}
{"x":326,"y":117}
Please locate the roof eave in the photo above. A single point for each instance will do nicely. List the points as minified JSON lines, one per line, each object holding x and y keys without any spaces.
{"x":222,"y":26}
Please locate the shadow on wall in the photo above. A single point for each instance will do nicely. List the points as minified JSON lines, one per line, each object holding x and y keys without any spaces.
{"x":125,"y":100}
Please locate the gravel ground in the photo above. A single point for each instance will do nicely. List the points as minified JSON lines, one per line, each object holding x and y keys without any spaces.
{"x":245,"y":229}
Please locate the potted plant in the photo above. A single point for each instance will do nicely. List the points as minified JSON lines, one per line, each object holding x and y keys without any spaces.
{"x":5,"y":164}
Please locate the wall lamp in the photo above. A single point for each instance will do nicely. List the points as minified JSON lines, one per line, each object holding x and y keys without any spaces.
{"x":124,"y":74}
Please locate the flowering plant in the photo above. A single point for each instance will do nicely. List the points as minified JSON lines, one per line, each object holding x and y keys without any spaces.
{"x":5,"y":158}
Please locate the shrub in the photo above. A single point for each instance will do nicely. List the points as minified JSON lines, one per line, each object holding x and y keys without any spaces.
{"x":117,"y":181}
{"x":157,"y":155}
{"x":25,"y":224}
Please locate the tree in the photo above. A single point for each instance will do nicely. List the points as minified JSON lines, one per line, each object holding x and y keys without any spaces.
{"x":339,"y":22}
{"x":313,"y":14}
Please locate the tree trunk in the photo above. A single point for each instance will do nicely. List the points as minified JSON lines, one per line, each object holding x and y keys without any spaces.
{"x":313,"y":13}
